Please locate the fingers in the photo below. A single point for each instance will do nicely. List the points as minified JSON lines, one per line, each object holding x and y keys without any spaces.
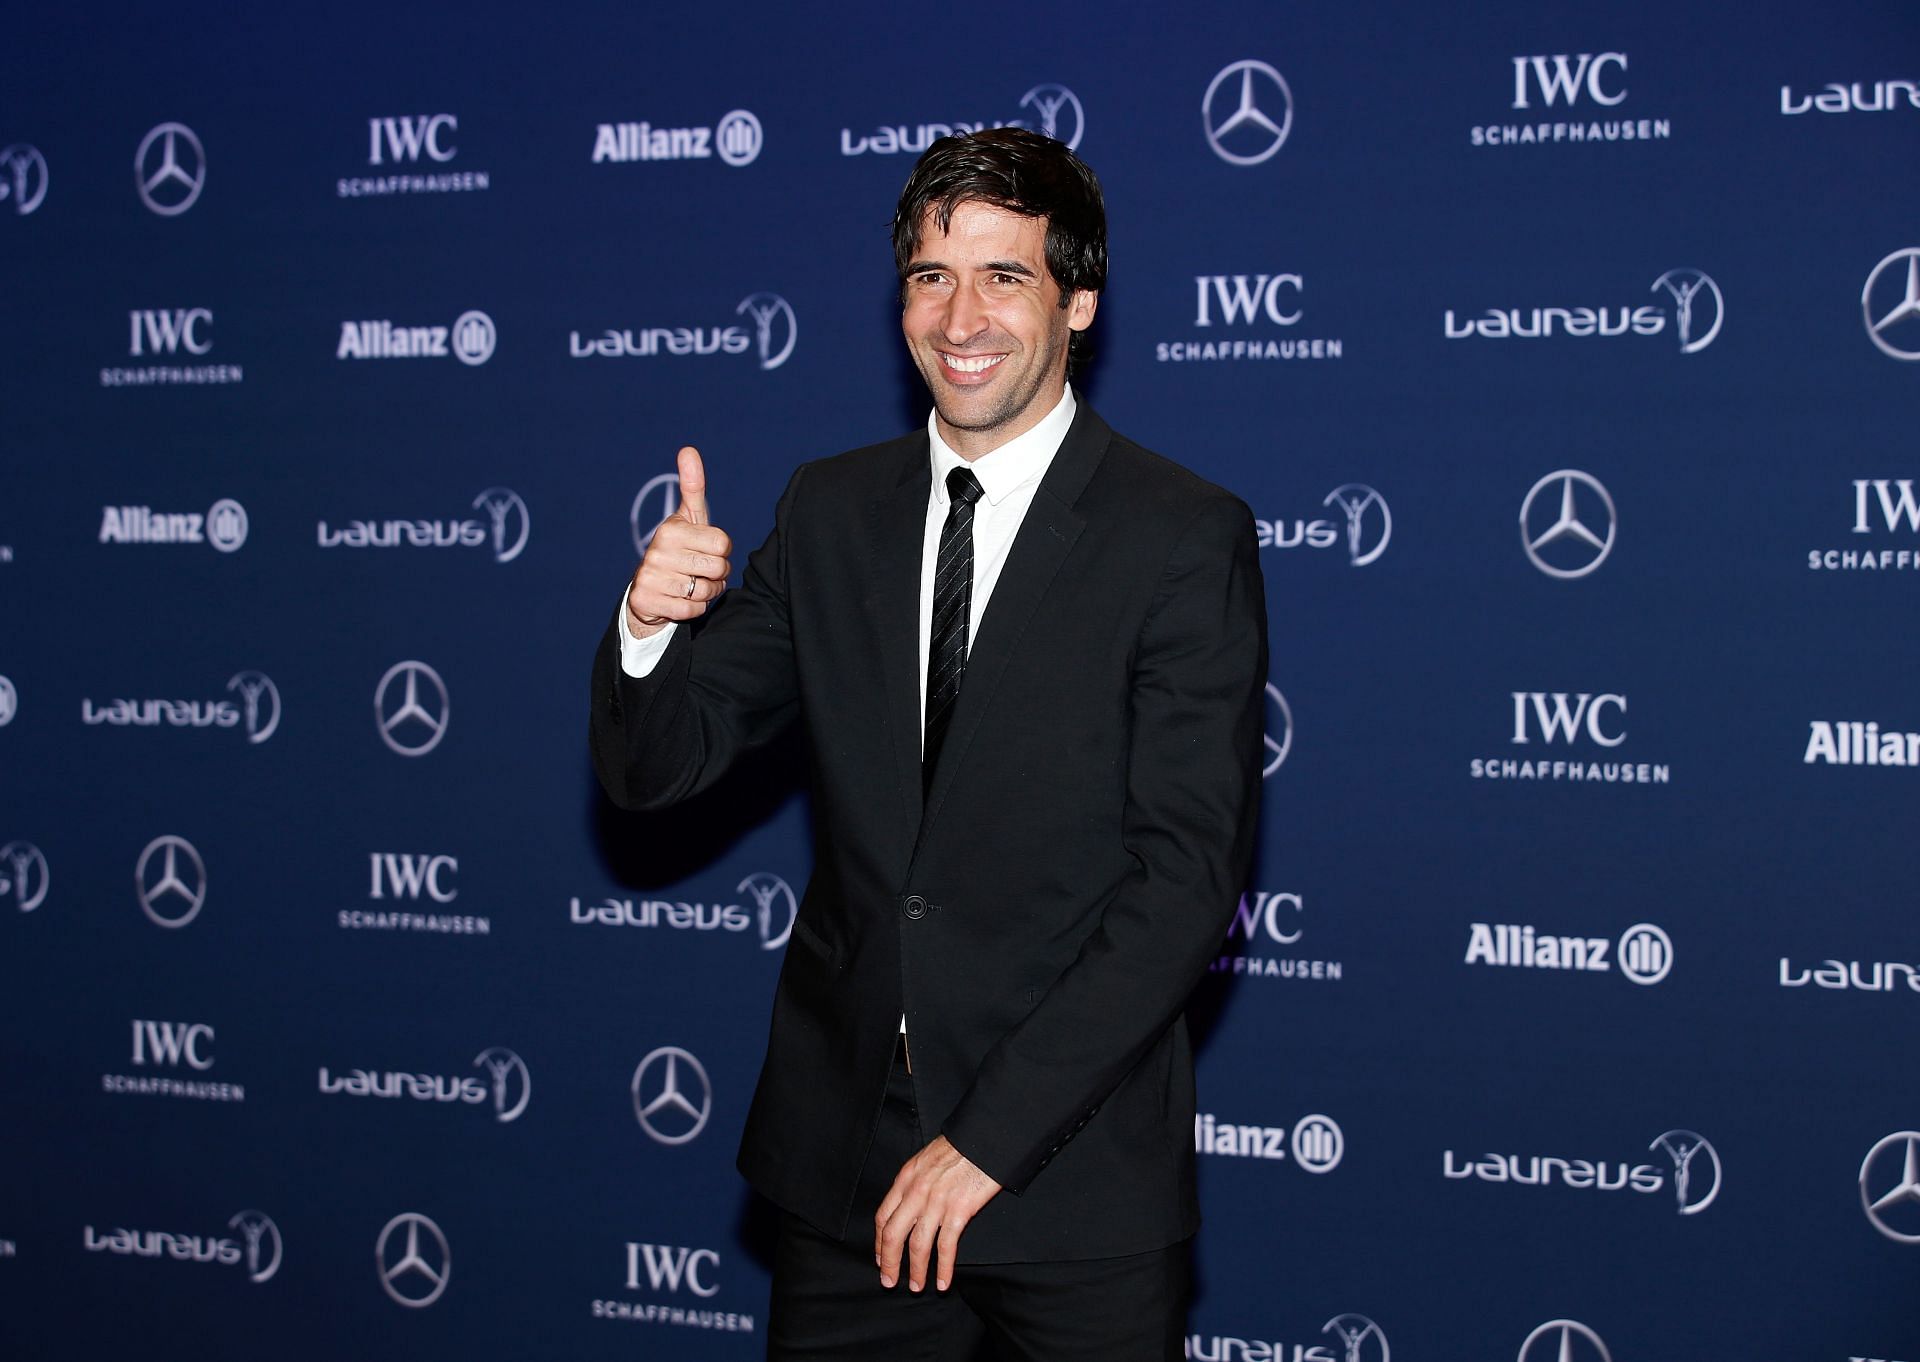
{"x":924,"y":1226}
{"x":693,"y":486}
{"x":949,"y":1251}
{"x":919,"y":1249}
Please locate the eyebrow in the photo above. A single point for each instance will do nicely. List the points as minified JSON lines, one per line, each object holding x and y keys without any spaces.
{"x":990,"y":267}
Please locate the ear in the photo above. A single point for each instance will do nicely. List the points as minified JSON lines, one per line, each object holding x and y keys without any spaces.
{"x":1080,"y":311}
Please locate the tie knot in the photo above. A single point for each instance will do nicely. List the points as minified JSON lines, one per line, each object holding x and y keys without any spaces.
{"x":962,"y":487}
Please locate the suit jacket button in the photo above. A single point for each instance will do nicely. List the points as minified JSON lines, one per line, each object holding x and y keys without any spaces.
{"x":915,"y":907}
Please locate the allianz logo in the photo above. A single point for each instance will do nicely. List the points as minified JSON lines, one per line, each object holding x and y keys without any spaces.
{"x":1881,"y":976}
{"x":223,"y":525}
{"x":1316,"y":1144}
{"x":1854,"y":742}
{"x":1645,"y":955}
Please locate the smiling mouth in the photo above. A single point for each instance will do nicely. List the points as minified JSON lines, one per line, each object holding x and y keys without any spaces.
{"x":978,"y":364}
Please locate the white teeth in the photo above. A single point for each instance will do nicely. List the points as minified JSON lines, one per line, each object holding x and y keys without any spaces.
{"x":972,"y":366}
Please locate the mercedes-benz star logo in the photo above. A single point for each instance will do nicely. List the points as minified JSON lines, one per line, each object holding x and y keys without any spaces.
{"x":1049,"y":104}
{"x":1237,"y":115}
{"x":666,"y":486}
{"x":413,"y":1279}
{"x":263,"y":1243}
{"x":1690,"y":1169}
{"x":1686,"y":286}
{"x":767,"y":309}
{"x":1901,"y":305}
{"x":502,"y":1065}
{"x":261,"y":701}
{"x":170,"y":169}
{"x":1583,"y":548}
{"x":504,"y":507}
{"x":414,"y":725}
{"x":1892,"y":1211}
{"x":774,"y":907}
{"x":23,"y":874}
{"x":1567,"y":1331}
{"x":1279,"y":720}
{"x":1355,"y":1332}
{"x":671,"y":1095}
{"x":181,"y":887}
{"x":9,"y":702}
{"x":23,"y":178}
{"x":1355,"y":499}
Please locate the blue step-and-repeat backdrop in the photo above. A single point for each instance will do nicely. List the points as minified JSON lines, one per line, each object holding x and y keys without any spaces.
{"x":1568,"y":357}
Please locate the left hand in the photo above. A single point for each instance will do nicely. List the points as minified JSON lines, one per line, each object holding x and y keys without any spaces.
{"x":936,"y":1193}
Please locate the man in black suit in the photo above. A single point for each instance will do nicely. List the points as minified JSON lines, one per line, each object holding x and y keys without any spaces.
{"x":1029,"y":657}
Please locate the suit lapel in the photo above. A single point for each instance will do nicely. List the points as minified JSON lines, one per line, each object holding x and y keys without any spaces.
{"x":896,"y":530}
{"x":1045,"y":538}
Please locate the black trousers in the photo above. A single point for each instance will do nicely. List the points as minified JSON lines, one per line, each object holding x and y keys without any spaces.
{"x":828,"y":1303}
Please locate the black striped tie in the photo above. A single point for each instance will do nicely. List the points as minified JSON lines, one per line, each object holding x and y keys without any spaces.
{"x":952,"y":602}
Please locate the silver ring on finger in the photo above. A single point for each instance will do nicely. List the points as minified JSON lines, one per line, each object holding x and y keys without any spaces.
{"x":692,"y":582}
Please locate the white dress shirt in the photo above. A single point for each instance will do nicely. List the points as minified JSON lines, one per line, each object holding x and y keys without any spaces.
{"x":1009,"y":476}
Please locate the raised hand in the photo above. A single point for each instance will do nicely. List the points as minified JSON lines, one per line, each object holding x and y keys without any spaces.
{"x":686,"y":565}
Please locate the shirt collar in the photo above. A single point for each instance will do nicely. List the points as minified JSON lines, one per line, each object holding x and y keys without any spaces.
{"x":1021,"y":460}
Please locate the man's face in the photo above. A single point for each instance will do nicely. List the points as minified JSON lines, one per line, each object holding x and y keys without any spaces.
{"x":984,"y":325}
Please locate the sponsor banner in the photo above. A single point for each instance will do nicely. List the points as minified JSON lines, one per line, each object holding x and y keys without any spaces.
{"x":419,"y":885}
{"x":679,"y":1284}
{"x":502,"y":531}
{"x":470,"y":340}
{"x":1690,"y":309}
{"x":1049,"y":109}
{"x":1872,"y":976}
{"x":1843,"y":97}
{"x":768,"y":330}
{"x":23,"y":180}
{"x":1316,"y":1144}
{"x":223,"y":526}
{"x":1265,"y":920}
{"x":1569,"y":99}
{"x":1881,"y":506}
{"x":176,"y":1055}
{"x":1645,"y":954}
{"x":24,"y":878}
{"x":503,"y":1086}
{"x":1591,"y":726}
{"x":1347,"y":1338}
{"x":412,"y":154}
{"x":767,"y":909}
{"x":252,"y":706}
{"x":1248,"y":317}
{"x":252,"y":1244}
{"x":735,"y":139}
{"x":170,"y":340}
{"x":1691,"y":1170}
{"x":1857,"y":742}
{"x":1358,"y":520}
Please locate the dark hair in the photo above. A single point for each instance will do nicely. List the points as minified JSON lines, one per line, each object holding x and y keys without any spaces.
{"x":1022,"y":172}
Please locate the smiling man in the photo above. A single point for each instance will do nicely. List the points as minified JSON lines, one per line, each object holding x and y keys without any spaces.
{"x":1029,"y":658}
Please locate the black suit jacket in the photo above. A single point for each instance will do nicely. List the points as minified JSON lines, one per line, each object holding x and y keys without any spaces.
{"x":1042,"y":915}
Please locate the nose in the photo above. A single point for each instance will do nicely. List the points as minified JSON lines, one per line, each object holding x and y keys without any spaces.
{"x":965,"y":316}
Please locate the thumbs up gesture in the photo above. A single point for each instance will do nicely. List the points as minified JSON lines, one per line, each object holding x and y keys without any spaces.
{"x":686,"y":565}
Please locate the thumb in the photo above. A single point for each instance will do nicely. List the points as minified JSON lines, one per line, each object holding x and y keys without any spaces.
{"x":693,"y":486}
